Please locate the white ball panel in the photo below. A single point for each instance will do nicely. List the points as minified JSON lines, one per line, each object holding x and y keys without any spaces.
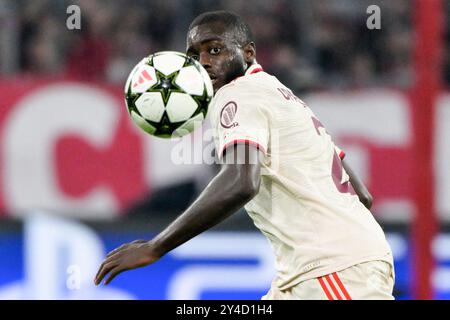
{"x":190,"y":125}
{"x":151,"y":106}
{"x":144,"y":125}
{"x":143,"y":78}
{"x":180,"y":107}
{"x":168,"y":63}
{"x":190,"y":80}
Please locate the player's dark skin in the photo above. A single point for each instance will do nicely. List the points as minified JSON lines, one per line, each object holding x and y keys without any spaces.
{"x":238,"y":181}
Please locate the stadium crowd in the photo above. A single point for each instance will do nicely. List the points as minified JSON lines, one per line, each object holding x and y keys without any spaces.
{"x":309,"y":44}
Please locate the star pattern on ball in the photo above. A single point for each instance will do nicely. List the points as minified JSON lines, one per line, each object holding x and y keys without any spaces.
{"x":166,"y":85}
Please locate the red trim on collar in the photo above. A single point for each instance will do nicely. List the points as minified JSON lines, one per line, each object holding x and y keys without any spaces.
{"x":256,"y":70}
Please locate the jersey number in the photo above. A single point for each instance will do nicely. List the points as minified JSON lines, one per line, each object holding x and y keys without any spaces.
{"x":337,"y":171}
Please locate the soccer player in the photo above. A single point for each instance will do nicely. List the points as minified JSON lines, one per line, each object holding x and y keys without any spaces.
{"x":280,"y":163}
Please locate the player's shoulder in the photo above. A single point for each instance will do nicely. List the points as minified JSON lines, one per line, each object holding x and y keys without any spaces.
{"x":258,"y":85}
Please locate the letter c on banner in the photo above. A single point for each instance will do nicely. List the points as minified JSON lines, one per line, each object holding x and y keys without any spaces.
{"x":31,"y":131}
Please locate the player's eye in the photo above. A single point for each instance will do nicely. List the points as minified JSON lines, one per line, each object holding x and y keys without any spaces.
{"x":214,"y":51}
{"x":194,"y":56}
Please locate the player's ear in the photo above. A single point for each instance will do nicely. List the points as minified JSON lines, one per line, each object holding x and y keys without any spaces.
{"x":250,"y":52}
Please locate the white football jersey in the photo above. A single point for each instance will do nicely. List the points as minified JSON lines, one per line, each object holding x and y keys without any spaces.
{"x":306,"y":206}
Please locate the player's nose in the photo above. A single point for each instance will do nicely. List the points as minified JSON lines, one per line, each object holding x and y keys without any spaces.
{"x":205,"y":60}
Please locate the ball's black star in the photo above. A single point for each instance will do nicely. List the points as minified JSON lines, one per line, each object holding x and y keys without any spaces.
{"x":166,"y":85}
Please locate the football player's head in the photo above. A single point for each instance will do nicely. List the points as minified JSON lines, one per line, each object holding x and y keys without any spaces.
{"x":223,"y":44}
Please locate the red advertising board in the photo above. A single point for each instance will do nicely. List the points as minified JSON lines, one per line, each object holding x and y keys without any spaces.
{"x":70,"y":147}
{"x":61,"y":141}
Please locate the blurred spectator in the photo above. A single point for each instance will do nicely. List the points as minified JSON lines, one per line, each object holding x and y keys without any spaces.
{"x":308,"y":43}
{"x":88,"y":56}
{"x":40,"y":39}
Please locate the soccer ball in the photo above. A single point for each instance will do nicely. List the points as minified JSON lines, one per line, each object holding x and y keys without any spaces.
{"x":168,"y":93}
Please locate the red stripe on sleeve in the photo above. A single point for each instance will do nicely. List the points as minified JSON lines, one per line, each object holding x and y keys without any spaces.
{"x":242,"y":141}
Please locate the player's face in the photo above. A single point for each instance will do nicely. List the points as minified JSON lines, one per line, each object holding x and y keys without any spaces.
{"x":218,"y":52}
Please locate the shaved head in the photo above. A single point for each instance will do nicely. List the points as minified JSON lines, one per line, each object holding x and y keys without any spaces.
{"x":233,"y":24}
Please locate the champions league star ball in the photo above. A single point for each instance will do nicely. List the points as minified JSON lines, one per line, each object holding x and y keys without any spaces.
{"x":168,"y":94}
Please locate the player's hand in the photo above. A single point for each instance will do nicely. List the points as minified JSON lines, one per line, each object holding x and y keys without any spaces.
{"x":129,"y":256}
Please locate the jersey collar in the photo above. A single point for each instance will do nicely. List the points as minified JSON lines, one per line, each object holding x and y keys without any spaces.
{"x":254,"y":68}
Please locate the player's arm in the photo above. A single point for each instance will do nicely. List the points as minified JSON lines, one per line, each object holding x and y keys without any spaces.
{"x":236,"y":184}
{"x":363,"y":194}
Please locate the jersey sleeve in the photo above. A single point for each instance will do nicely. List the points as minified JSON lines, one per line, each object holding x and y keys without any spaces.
{"x":240,"y":118}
